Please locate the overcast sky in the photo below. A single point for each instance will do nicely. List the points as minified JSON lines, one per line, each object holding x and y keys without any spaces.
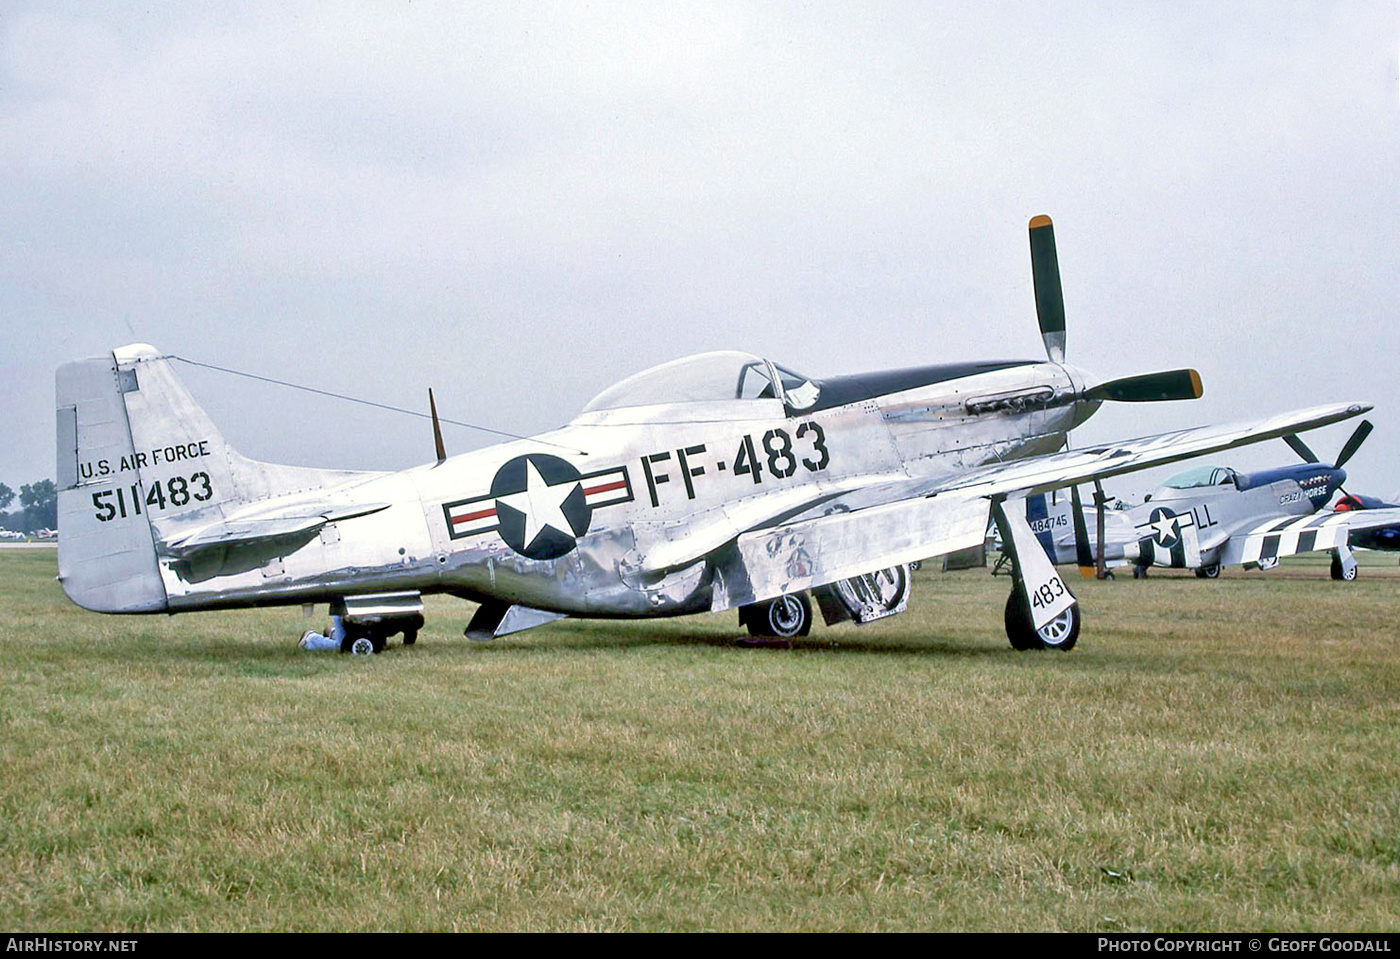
{"x":518,"y":204}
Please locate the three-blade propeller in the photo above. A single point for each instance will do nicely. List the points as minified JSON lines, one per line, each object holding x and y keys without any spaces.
{"x":1144,"y":388}
{"x":1348,"y":449}
{"x":1050,"y":310}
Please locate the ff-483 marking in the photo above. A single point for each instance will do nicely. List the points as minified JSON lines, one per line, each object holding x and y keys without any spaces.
{"x":779,"y":456}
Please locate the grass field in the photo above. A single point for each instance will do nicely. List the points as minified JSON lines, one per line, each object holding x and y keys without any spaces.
{"x":1214,"y":756}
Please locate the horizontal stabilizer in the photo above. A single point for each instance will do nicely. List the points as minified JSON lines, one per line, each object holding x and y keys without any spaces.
{"x":280,"y":524}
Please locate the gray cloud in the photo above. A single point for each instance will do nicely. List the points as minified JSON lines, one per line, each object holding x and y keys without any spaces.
{"x":518,"y":205}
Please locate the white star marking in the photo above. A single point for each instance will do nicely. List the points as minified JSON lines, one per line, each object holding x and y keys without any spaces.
{"x":541,"y":503}
{"x":1165,"y":531}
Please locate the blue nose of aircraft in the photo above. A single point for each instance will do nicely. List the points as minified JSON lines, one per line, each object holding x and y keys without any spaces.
{"x":1321,"y":483}
{"x":1335,"y":478}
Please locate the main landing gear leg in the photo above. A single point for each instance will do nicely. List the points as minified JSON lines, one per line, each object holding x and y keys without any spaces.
{"x":1041,"y":613}
{"x":1343,"y":564}
{"x":776,"y":622}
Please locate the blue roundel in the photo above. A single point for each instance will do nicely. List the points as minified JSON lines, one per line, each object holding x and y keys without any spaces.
{"x":540,"y":505}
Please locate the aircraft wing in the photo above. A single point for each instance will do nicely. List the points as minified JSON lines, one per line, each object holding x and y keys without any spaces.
{"x":891,"y":523}
{"x":1301,"y":534}
{"x":1040,"y":474}
{"x":1055,"y":470}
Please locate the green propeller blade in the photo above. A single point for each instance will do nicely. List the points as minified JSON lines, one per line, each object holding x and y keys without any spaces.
{"x":1150,"y":387}
{"x":1049,"y":297}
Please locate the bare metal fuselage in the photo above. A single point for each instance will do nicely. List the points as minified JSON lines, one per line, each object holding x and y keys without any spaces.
{"x":663,"y":489}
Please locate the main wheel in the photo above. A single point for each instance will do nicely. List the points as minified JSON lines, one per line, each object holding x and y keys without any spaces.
{"x":1341,"y":572}
{"x":1139,"y":572}
{"x":1060,"y":633}
{"x":785,"y":617}
{"x":1208,"y":572}
{"x":1018,"y":625}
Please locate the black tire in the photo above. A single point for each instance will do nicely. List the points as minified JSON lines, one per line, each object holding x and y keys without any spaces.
{"x":1060,"y":633}
{"x":1139,"y":572}
{"x":785,"y":617}
{"x":1208,"y":572}
{"x":361,"y":640}
{"x":353,"y":631}
{"x":1339,"y":572}
{"x":1018,"y":624}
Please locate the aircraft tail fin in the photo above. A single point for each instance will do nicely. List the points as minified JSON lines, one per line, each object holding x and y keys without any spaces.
{"x":140,"y":465}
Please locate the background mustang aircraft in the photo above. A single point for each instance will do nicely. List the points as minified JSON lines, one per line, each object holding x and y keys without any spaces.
{"x":714,"y":482}
{"x":1212,"y":516}
{"x":1383,"y":537}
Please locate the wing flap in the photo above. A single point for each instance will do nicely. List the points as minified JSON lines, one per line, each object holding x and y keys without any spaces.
{"x":771,"y":562}
{"x":672,"y":546}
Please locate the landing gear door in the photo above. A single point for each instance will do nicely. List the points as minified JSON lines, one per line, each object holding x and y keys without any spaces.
{"x":1046,"y":595}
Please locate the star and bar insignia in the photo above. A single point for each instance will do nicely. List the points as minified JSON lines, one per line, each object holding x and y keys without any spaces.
{"x":1169,"y":539}
{"x":540,"y":504}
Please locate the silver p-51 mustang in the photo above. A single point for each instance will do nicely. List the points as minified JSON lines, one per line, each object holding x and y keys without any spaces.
{"x":715,"y":482}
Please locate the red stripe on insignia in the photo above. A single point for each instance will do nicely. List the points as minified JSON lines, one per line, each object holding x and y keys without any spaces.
{"x":606,"y":488}
{"x":474,"y":516}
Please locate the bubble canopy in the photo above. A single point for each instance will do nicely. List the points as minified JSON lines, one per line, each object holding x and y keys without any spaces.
{"x":707,"y":378}
{"x":1201,"y":476}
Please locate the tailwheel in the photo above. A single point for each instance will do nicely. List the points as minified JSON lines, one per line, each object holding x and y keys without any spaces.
{"x":1060,"y":633}
{"x":360,"y":640}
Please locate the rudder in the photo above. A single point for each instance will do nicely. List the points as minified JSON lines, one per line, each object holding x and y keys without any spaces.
{"x":142,"y":469}
{"x":106,"y":551}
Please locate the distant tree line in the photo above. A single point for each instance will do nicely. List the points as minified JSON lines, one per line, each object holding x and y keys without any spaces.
{"x":38,"y":507}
